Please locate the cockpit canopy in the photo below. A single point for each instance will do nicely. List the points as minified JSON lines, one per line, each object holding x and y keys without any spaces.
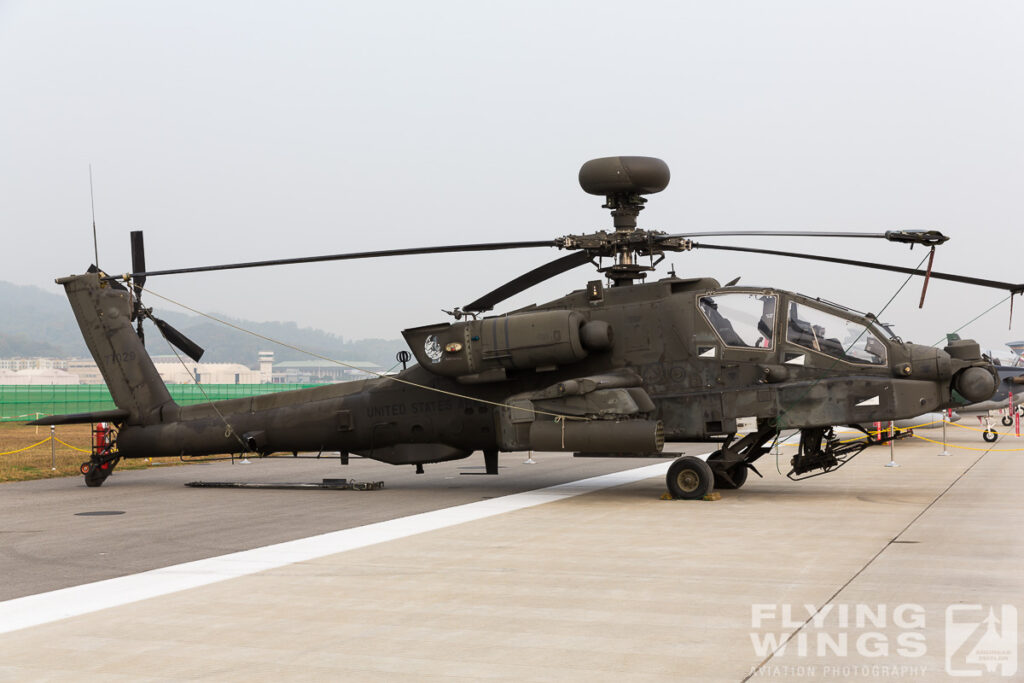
{"x":748,"y":320}
{"x":742,"y":319}
{"x":833,"y":335}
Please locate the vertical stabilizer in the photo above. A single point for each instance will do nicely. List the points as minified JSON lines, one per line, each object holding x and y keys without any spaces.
{"x":103,"y":309}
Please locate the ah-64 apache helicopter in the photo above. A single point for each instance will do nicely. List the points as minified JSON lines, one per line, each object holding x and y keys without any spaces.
{"x":617,"y":370}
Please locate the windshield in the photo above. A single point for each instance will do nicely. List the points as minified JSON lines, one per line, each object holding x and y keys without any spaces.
{"x":834,"y":336}
{"x":743,"y":319}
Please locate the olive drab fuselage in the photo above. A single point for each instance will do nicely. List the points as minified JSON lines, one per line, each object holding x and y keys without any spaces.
{"x":620,"y":370}
{"x":616,"y":371}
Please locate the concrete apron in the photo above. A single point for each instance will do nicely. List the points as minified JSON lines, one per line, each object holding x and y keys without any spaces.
{"x":611,"y":585}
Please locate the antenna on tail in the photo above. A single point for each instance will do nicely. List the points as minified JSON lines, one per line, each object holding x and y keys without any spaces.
{"x":92,"y":201}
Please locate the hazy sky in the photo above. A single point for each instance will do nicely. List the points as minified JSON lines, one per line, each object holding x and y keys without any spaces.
{"x":253,"y":130}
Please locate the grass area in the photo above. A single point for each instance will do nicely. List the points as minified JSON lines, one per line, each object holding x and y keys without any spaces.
{"x":35,"y":463}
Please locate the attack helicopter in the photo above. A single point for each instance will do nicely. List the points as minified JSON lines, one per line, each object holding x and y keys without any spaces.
{"x":614,"y":370}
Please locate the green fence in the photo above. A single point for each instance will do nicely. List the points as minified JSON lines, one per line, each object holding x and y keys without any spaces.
{"x":20,"y":403}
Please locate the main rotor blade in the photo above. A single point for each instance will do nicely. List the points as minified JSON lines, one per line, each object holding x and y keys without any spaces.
{"x":1008,"y":286}
{"x":494,"y":246}
{"x":191,"y":349}
{"x":925,"y":237}
{"x":527,"y":280}
{"x":779,"y":233}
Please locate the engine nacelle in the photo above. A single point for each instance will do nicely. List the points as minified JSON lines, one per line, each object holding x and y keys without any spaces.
{"x":483,"y":350}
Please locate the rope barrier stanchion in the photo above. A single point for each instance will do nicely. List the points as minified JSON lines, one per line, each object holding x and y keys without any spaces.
{"x":53,"y":449}
{"x":949,"y":415}
{"x":892,"y":449}
{"x":1016,"y":415}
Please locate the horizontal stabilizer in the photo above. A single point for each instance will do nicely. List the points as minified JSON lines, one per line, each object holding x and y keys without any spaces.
{"x":82,"y":418}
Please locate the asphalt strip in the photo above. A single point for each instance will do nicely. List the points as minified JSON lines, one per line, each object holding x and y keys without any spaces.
{"x":44,"y":608}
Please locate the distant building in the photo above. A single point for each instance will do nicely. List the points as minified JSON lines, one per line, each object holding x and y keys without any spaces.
{"x":266,"y":359}
{"x":16,"y":364}
{"x":208,"y":373}
{"x":38,"y":377}
{"x":86,"y":370}
{"x":175,"y":370}
{"x":322,"y":372}
{"x":35,"y":372}
{"x":185,"y":371}
{"x":83,"y":368}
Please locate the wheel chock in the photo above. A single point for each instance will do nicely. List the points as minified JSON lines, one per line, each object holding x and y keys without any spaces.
{"x":714,"y":495}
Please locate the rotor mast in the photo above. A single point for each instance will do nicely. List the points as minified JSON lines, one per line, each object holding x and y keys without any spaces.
{"x":623,"y":181}
{"x":624,"y":209}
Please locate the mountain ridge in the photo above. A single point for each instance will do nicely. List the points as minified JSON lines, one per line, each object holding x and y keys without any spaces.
{"x":37,"y":323}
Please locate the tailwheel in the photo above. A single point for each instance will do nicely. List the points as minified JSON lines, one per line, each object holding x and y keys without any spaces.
{"x":689,"y":478}
{"x":97,"y":472}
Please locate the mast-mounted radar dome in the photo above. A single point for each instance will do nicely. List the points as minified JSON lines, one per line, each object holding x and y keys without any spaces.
{"x":622,"y":181}
{"x":624,"y":175}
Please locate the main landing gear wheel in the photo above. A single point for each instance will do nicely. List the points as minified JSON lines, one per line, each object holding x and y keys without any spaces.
{"x":689,"y":478}
{"x":1007,"y":420}
{"x":990,"y":435}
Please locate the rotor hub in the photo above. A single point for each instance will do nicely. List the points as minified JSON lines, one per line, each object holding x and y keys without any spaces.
{"x":623,"y":181}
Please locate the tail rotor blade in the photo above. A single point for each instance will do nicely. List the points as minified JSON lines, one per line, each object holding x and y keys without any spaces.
{"x":138,"y":261}
{"x":189,"y":347}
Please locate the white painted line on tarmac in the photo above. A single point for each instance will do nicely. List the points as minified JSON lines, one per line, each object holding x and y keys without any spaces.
{"x":43,"y":608}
